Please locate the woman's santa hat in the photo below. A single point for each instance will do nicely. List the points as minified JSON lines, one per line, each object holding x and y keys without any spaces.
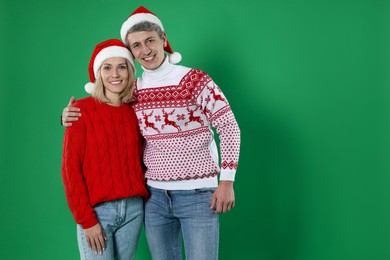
{"x":141,"y":14}
{"x":105,"y":50}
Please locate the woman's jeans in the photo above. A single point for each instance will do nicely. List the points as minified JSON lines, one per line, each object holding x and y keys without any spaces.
{"x":122,"y":222}
{"x":171,"y":215}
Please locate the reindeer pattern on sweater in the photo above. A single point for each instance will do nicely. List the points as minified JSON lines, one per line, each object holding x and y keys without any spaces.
{"x":175,"y":113}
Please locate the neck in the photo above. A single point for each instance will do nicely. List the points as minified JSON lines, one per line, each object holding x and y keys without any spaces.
{"x":164,"y":69}
{"x":114,"y":100}
{"x":115,"y":103}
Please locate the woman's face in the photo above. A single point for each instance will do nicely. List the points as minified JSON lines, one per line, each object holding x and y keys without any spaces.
{"x":115,"y":76}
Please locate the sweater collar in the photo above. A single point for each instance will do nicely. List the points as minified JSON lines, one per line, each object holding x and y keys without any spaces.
{"x":159,"y":73}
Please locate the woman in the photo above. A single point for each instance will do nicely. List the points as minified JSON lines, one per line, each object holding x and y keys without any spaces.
{"x":102,"y":152}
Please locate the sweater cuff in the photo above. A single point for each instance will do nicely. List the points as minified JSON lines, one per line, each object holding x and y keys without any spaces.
{"x":227,"y":175}
{"x":90,"y":223}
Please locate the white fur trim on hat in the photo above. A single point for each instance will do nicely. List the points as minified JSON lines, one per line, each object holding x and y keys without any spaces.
{"x":110,"y":52}
{"x":89,"y":87}
{"x":136,"y":19}
{"x":175,"y":57}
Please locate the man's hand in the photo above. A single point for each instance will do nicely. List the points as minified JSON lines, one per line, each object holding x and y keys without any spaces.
{"x":95,"y":238}
{"x":70,"y":113}
{"x":223,"y":197}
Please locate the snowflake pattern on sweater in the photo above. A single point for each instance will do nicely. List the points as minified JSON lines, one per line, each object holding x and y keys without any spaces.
{"x":176,"y":119}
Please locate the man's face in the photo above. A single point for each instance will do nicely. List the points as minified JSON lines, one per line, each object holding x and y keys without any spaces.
{"x":147,"y":48}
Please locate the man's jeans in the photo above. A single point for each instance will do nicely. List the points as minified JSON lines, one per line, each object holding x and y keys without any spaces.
{"x":171,"y":215}
{"x":122,"y":222}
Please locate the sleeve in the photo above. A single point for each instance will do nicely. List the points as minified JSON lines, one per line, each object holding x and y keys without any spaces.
{"x":72,"y":174}
{"x":141,"y":143}
{"x":217,"y":110}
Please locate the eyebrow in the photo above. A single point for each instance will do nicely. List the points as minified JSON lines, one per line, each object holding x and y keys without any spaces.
{"x":137,"y":42}
{"x":124,"y":63}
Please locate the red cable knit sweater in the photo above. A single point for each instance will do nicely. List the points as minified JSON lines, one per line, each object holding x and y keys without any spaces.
{"x":101,"y":158}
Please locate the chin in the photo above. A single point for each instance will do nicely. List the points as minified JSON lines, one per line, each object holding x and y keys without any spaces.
{"x":151,"y":66}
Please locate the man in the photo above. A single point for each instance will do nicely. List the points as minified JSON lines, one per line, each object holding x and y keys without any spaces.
{"x":176,"y":108}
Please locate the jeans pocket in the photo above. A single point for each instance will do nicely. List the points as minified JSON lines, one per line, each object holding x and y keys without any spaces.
{"x":205,"y":191}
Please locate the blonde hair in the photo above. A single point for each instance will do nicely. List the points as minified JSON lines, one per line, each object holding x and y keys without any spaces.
{"x":127,"y":94}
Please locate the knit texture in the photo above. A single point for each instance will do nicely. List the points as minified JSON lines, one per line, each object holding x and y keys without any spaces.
{"x":101,"y":161}
{"x":175,"y":119}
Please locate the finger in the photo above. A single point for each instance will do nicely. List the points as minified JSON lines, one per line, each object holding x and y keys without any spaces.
{"x":67,"y":117}
{"x":213,"y":202}
{"x":224,"y":208}
{"x":229,"y":207}
{"x":218,"y":207}
{"x":102,"y":239}
{"x":94,"y":247}
{"x":99,"y":247}
{"x":66,"y":124}
{"x":74,"y":113}
{"x":88,"y":242}
{"x":71,"y":101}
{"x":70,"y":118}
{"x":70,"y":109}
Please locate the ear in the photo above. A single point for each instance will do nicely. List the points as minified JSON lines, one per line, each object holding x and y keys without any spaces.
{"x":164,"y":39}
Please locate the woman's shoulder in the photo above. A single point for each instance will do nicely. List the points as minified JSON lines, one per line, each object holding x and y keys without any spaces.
{"x":84,"y":102}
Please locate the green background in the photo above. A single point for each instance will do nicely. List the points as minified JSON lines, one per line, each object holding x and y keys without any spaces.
{"x":307,"y":80}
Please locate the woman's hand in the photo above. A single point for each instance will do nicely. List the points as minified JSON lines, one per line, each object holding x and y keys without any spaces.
{"x":96,"y":238}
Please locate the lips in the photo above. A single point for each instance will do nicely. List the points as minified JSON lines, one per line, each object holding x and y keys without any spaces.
{"x":117,"y":82}
{"x":148,"y":58}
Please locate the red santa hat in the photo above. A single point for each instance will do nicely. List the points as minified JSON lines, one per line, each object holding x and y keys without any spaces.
{"x":107,"y":49}
{"x":141,"y":14}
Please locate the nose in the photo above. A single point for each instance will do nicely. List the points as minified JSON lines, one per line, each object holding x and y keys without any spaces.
{"x":145,"y":49}
{"x":115,"y":73}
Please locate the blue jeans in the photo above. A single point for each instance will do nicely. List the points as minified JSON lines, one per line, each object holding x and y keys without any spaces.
{"x":122,"y":222}
{"x":172,"y":215}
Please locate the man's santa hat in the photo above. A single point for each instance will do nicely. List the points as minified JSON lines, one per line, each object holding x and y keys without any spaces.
{"x":141,"y":14}
{"x":108,"y":49}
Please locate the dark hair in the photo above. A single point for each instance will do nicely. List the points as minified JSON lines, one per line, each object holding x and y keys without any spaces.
{"x":145,"y":26}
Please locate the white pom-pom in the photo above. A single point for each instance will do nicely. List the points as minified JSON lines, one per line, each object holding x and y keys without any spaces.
{"x":175,"y":57}
{"x":89,"y":87}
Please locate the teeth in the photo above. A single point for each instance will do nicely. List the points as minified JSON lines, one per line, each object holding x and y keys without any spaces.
{"x":148,"y":58}
{"x":115,"y":82}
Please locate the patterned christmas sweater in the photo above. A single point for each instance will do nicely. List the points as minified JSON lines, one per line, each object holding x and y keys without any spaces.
{"x":176,"y":108}
{"x":101,"y":160}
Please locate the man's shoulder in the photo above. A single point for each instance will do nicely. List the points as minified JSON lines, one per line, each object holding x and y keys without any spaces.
{"x":181,"y":70}
{"x":190,"y":71}
{"x":181,"y":67}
